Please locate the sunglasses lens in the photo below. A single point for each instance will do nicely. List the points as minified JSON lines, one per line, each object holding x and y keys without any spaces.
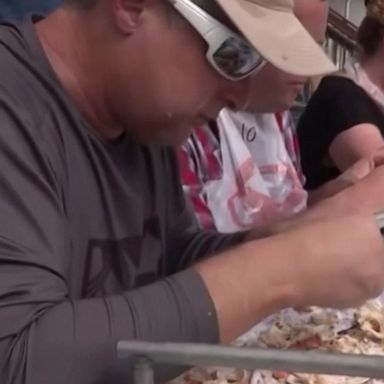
{"x":236,"y":58}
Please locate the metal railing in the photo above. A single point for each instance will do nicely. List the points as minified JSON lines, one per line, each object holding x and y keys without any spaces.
{"x":341,"y":38}
{"x":145,"y":355}
{"x":343,"y":31}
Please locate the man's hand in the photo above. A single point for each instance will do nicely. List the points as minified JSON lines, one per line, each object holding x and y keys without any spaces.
{"x":364,"y":197}
{"x":350,"y":177}
{"x":363,"y":167}
{"x":335,"y":262}
{"x":341,"y":263}
{"x":360,"y":189}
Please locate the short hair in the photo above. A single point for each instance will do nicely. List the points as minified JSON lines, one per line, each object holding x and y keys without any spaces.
{"x":209,"y":6}
{"x":81,"y":4}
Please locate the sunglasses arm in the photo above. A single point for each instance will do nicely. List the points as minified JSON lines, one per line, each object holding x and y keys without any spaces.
{"x":198,"y":18}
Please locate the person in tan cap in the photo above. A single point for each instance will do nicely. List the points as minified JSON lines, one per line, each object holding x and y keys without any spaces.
{"x":268,"y":140}
{"x":97,"y":243}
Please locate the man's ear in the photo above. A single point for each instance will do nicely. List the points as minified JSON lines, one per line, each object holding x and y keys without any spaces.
{"x":127,"y":14}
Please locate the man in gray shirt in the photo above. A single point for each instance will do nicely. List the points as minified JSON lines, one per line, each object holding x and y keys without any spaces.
{"x":96,"y":241}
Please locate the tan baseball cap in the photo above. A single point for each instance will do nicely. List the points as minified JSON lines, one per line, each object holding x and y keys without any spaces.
{"x":278,"y":35}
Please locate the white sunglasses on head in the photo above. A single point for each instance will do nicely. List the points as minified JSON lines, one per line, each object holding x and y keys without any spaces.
{"x":231,"y":55}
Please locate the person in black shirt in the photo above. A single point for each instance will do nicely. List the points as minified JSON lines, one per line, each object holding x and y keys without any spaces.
{"x":344,"y":120}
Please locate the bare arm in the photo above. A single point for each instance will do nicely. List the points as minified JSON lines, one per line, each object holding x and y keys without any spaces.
{"x":353,"y":175}
{"x":327,"y":190}
{"x":354,"y":144}
{"x":327,"y":263}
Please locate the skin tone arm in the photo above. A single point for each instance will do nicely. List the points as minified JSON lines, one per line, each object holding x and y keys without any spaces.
{"x":352,"y":175}
{"x":354,"y":144}
{"x":327,"y":190}
{"x":361,"y":140}
{"x":296,"y":268}
{"x":364,"y":196}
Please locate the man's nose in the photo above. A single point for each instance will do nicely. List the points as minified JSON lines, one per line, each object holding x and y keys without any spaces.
{"x":236,"y":94}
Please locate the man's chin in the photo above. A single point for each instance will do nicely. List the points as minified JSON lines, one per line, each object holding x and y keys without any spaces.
{"x":171,"y":135}
{"x":179,"y":135}
{"x":169,"y":139}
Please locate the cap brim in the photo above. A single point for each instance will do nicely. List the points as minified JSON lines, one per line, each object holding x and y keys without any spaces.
{"x":279,"y":37}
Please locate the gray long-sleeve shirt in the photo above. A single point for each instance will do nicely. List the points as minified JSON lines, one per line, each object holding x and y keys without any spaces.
{"x":94,"y":236}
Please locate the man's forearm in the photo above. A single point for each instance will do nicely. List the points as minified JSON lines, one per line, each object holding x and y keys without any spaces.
{"x":248,"y":283}
{"x":325,"y":262}
{"x":76,"y":341}
{"x":357,"y":173}
{"x":327,"y":190}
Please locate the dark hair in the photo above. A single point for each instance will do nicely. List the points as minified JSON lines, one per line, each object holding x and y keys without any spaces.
{"x":81,"y":4}
{"x":370,"y":36}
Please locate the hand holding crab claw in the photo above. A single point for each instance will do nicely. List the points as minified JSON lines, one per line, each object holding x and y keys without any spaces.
{"x":359,"y":190}
{"x":362,"y":194}
{"x":364,"y":167}
{"x":352,"y":176}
